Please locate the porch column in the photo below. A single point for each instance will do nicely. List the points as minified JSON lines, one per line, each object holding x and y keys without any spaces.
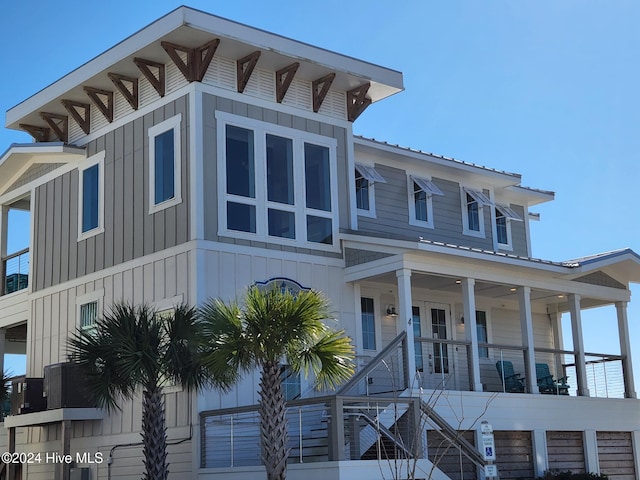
{"x":625,"y":350}
{"x":3,"y":332}
{"x":4,"y":227}
{"x":404,"y":320}
{"x":558,"y":342}
{"x":526,"y":326}
{"x":578,"y":344}
{"x":471,"y":332}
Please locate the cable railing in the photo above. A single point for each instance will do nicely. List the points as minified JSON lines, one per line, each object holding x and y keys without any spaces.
{"x":15,"y":272}
{"x":605,"y":378}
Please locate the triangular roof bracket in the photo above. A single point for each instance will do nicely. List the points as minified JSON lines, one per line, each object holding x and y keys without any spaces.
{"x":244,"y":69}
{"x":158,"y":82}
{"x":83,"y":119}
{"x":130,"y":93}
{"x":198,"y":58}
{"x":39,"y":134}
{"x":103,"y":100}
{"x":284,"y":77}
{"x":58,"y":123}
{"x":319,"y":90}
{"x":357,"y":101}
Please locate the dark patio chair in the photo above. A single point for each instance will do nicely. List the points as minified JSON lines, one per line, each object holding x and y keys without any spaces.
{"x":512,"y":381}
{"x":546,"y":382}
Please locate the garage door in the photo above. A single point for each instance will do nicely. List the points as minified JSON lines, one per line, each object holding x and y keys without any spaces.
{"x":565,"y":451}
{"x":514,"y":455}
{"x":615,"y":455}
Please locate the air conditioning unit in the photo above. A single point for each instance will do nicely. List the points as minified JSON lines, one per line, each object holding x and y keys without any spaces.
{"x":64,"y":386}
{"x":26,"y":395}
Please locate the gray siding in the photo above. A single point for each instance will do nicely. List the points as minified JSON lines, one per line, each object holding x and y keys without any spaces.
{"x":129,"y":231}
{"x":212,"y":103}
{"x":392,"y":212}
{"x":518,"y":233}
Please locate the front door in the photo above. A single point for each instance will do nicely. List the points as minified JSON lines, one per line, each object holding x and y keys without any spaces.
{"x":439,"y":357}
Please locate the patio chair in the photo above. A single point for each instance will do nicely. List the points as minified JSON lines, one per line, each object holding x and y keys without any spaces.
{"x":512,"y":381}
{"x":546,"y":382}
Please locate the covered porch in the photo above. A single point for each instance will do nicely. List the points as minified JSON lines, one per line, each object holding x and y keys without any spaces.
{"x":480,"y":321}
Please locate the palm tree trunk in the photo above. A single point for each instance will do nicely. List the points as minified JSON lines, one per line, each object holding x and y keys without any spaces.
{"x":154,"y":435}
{"x":273,"y":422}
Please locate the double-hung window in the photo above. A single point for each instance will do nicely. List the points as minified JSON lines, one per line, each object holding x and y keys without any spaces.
{"x":164,"y":164}
{"x":366,"y":177}
{"x":473,"y":203}
{"x":504,"y":216}
{"x":276,"y":184}
{"x":421,"y":192}
{"x":91,"y":196}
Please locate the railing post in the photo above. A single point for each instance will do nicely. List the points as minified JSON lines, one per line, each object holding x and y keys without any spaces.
{"x":336,"y":430}
{"x":300,"y":432}
{"x":231,"y":445}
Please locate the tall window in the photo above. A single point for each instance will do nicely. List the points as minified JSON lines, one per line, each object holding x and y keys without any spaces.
{"x":277,"y":184}
{"x":368,"y":323}
{"x":164,"y":164}
{"x":481,"y":328}
{"x":417,"y":332}
{"x":439,"y":330}
{"x":473,"y":214}
{"x":421,"y":192}
{"x":504,"y":216}
{"x":91,"y":196}
{"x":473,"y":203}
{"x":501,"y":228}
{"x":362,"y":192}
{"x":366,"y":177}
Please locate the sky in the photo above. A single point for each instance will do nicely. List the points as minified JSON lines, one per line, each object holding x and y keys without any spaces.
{"x":544,"y":88}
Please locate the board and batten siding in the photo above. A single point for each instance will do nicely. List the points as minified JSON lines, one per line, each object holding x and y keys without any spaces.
{"x":129,"y":230}
{"x":211,"y":104}
{"x":392,"y":212}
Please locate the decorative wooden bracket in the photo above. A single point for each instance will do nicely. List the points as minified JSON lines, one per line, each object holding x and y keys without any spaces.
{"x":84,"y":119}
{"x":319,"y":90}
{"x":284,"y":77}
{"x":244,"y":69}
{"x":39,"y":134}
{"x":103,"y":100}
{"x":357,"y":101}
{"x":198,"y":59}
{"x":129,"y":93}
{"x":157,"y":82}
{"x":58,"y":123}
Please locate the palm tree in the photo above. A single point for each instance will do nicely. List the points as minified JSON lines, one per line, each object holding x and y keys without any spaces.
{"x":133,"y":347}
{"x":270,"y":327}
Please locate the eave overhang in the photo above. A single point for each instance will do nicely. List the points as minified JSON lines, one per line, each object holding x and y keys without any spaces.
{"x":193,"y":28}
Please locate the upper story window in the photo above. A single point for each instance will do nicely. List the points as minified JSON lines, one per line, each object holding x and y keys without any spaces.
{"x":473,"y":203}
{"x":91,"y":196}
{"x":421,"y":192}
{"x":504,"y":216}
{"x":366,"y":177}
{"x":276,"y":183}
{"x":164,"y":164}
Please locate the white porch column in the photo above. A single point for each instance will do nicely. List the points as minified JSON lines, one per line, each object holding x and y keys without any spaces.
{"x":3,"y":332}
{"x":4,"y":227}
{"x":526,"y":327}
{"x":471,"y":331}
{"x":578,"y":344}
{"x":625,"y":350}
{"x":404,"y":319}
{"x":540,"y":456}
{"x":558,"y":342}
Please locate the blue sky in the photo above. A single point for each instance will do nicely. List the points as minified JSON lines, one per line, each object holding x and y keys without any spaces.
{"x":547,"y":89}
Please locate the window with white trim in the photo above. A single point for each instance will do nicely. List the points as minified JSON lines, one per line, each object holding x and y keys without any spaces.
{"x":368,"y":318}
{"x":504,"y":216}
{"x":366,"y":177}
{"x":91,"y":196}
{"x":276,"y":183}
{"x":473,"y":203}
{"x":89,"y":309}
{"x":481,"y":329}
{"x":421,"y":192}
{"x":164,"y":164}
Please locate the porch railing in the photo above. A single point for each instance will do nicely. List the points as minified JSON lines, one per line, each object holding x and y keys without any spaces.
{"x":15,"y":272}
{"x":605,"y":377}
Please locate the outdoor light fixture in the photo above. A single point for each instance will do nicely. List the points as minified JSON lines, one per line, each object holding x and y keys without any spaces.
{"x":391,"y":310}
{"x":462,"y":319}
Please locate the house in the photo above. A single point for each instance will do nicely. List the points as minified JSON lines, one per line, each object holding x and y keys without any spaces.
{"x":199,"y":156}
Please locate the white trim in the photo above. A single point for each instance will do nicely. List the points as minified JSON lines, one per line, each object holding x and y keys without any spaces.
{"x":259,"y":200}
{"x":481,"y":201}
{"x":97,"y":159}
{"x":95,"y":296}
{"x":412,"y":204}
{"x":365,"y":172}
{"x":377,"y":320}
{"x":351,"y":178}
{"x":507,"y":219}
{"x":28,"y":188}
{"x":196,"y":163}
{"x":508,"y":212}
{"x":173,"y":123}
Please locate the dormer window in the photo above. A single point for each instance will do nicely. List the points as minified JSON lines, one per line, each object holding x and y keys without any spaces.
{"x":504,"y":216}
{"x":421,"y":192}
{"x":366,"y":177}
{"x":473,"y":203}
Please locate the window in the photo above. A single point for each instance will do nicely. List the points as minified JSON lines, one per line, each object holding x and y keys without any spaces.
{"x":504,"y":216}
{"x":417,"y":332}
{"x":91,"y":196}
{"x":291,"y":387}
{"x":88,"y":315}
{"x":368,"y":324}
{"x":276,"y":183}
{"x":473,"y":202}
{"x":481,"y":328}
{"x":439,"y":331}
{"x":366,"y":177}
{"x":421,"y":192}
{"x":164,"y":164}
